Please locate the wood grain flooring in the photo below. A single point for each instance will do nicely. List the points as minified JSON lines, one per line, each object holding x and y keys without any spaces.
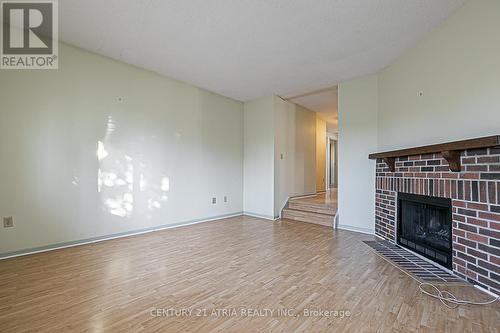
{"x":131,"y":284}
{"x":308,"y":217}
{"x":327,"y":199}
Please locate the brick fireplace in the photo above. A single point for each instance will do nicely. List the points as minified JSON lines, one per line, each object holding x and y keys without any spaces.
{"x":474,"y":192}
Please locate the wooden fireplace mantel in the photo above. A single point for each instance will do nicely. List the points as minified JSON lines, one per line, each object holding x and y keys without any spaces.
{"x":450,"y":151}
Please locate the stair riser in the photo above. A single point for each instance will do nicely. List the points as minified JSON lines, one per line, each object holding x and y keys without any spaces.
{"x":326,"y":220}
{"x":311,"y":208}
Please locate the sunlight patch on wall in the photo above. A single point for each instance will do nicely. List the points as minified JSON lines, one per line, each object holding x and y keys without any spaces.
{"x":115,"y":181}
{"x":127,"y":184}
{"x":101,"y":152}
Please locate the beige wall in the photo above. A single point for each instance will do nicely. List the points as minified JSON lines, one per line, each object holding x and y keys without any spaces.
{"x":358,"y":106}
{"x":457,"y":70}
{"x":320,"y":155}
{"x":295,"y":152}
{"x":259,"y":157}
{"x":99,"y":147}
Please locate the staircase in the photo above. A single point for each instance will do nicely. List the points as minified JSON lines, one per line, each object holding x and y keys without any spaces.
{"x":319,"y":209}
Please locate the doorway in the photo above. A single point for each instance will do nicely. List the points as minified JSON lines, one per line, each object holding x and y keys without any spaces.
{"x":332,"y":166}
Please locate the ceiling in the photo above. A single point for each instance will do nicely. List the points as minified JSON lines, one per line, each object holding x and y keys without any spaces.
{"x":245,"y":49}
{"x":324,"y":103}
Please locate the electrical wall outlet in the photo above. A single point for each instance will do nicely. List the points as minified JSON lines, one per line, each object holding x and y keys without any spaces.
{"x":225,"y":198}
{"x":214,"y":201}
{"x":8,"y":222}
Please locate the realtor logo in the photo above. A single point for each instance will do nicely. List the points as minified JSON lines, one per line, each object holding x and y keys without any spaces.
{"x":29,"y":35}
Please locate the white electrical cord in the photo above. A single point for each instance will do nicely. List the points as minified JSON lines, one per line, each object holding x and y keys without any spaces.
{"x":448,"y":299}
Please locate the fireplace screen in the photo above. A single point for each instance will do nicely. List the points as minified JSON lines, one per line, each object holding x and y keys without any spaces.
{"x":424,"y":226}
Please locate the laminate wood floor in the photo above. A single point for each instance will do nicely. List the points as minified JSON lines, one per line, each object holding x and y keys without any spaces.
{"x":329,"y":198}
{"x":231,"y":273}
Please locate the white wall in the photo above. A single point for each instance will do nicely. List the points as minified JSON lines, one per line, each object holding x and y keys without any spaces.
{"x":358,"y":109}
{"x":258,"y":196}
{"x":167,"y":149}
{"x":457,"y":68}
{"x":295,"y":140}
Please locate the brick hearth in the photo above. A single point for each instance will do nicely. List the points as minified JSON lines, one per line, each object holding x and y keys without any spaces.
{"x":475,"y":194}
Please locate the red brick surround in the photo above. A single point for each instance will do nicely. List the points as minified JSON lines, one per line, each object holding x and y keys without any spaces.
{"x":475,"y":194}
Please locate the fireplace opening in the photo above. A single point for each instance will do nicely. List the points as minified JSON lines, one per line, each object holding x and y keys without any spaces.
{"x":424,"y":226}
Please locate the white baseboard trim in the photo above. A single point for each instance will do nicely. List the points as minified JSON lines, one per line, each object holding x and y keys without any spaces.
{"x":356,"y":229}
{"x":64,"y":245}
{"x":260,"y":216}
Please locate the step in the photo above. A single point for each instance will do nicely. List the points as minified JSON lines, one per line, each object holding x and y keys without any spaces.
{"x":313,"y":207}
{"x":309,"y":217}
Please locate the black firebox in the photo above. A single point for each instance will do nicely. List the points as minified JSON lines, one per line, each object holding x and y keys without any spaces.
{"x":424,"y":226}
